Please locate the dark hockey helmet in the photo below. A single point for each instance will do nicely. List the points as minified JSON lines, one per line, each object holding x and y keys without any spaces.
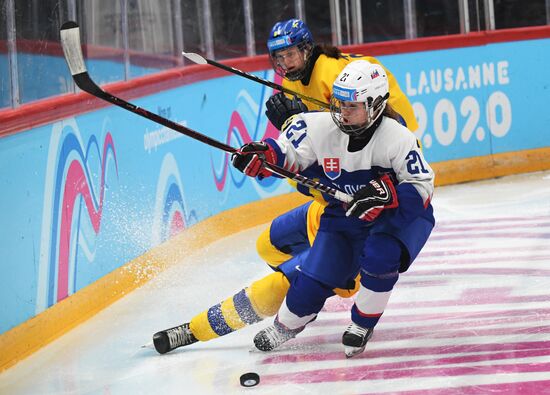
{"x":285,"y":35}
{"x":360,"y":84}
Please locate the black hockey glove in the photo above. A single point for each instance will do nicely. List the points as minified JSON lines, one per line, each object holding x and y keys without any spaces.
{"x":279,"y":108}
{"x":250,"y":159}
{"x":369,"y":201}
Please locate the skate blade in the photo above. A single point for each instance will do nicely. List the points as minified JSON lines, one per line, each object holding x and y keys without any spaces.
{"x":149,"y":345}
{"x":353,"y":351}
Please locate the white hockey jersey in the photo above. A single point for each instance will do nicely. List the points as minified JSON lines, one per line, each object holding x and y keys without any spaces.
{"x":313,"y":141}
{"x":312,"y":144}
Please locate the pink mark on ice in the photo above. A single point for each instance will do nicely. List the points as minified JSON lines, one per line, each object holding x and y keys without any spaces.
{"x":416,"y":368}
{"x":522,"y":387}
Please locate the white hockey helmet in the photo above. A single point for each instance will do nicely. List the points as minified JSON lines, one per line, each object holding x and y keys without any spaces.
{"x":359,"y":82}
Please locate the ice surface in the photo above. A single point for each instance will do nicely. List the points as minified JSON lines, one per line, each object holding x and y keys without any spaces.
{"x":472,"y":316}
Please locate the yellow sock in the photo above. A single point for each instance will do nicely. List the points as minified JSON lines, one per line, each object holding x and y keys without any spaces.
{"x":250,"y":305}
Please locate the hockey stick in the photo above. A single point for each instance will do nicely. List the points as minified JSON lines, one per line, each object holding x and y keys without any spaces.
{"x":70,"y":41}
{"x":196,"y":58}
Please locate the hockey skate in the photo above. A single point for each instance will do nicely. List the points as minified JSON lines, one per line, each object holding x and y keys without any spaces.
{"x":170,"y":339}
{"x":355,"y":339}
{"x":273,"y":336}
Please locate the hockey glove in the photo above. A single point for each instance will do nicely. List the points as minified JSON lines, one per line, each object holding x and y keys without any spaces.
{"x":250,"y":159}
{"x":369,"y":201}
{"x":279,"y":108}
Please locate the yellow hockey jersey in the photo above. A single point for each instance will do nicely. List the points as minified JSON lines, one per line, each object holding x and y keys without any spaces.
{"x":325,"y":71}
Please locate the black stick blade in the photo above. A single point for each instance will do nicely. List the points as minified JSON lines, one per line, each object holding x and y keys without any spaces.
{"x":69,"y":25}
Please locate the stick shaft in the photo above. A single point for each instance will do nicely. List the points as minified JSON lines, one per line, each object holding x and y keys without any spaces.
{"x":270,"y":84}
{"x":85,"y":83}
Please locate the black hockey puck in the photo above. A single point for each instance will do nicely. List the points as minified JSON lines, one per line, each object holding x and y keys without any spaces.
{"x":250,"y":379}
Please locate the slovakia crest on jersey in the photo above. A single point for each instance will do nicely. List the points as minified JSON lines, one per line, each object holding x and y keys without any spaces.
{"x":331,"y":166}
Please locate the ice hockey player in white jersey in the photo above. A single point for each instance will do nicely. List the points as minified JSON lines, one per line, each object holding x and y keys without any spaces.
{"x":361,"y":149}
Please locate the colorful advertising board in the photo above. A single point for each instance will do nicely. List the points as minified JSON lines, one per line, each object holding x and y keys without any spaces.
{"x":84,"y":195}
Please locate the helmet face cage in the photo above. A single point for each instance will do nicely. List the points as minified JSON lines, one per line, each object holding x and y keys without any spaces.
{"x":295,"y":75}
{"x":289,"y":34}
{"x":362,"y":83}
{"x":373,"y":108}
{"x":336,"y":114}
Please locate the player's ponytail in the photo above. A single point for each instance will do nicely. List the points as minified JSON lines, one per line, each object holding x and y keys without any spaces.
{"x":391,"y":113}
{"x":330,"y":51}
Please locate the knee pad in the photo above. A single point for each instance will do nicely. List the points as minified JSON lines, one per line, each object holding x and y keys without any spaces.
{"x":307,"y":296}
{"x":380,"y":262}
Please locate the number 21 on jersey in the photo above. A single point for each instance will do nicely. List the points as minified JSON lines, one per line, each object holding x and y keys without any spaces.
{"x":415,"y":164}
{"x":291,"y":136}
